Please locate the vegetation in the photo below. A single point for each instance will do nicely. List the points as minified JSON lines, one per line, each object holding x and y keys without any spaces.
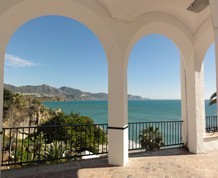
{"x":213,"y":99}
{"x":63,"y":136}
{"x":56,"y":137}
{"x":151,"y":138}
{"x":75,"y":130}
{"x":22,"y":110}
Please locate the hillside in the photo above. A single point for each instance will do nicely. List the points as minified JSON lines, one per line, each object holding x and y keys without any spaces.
{"x":61,"y":94}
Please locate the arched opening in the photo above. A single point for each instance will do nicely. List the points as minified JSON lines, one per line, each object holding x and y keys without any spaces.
{"x":58,"y":59}
{"x":154,"y":74}
{"x":210,"y":87}
{"x":59,"y":52}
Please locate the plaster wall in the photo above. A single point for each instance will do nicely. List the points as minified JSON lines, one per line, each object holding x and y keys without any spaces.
{"x":118,"y":155}
{"x":184,"y":109}
{"x":195,"y":100}
{"x":210,"y":143}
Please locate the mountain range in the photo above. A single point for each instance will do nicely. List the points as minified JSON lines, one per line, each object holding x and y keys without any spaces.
{"x":62,"y":94}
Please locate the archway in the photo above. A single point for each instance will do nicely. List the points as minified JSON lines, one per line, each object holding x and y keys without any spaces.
{"x":154,"y":74}
{"x":209,"y":76}
{"x":12,"y":55}
{"x":210,"y":88}
{"x":64,"y":52}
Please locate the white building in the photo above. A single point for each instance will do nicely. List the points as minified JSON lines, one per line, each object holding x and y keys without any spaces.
{"x":119,"y":24}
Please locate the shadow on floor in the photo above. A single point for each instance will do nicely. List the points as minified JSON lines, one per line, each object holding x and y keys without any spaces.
{"x":162,"y":152}
{"x":71,"y":169}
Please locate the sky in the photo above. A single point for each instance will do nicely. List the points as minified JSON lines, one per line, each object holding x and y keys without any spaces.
{"x":59,"y":51}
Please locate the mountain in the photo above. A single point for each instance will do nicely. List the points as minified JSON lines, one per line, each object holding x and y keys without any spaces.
{"x":39,"y":91}
{"x":61,"y":94}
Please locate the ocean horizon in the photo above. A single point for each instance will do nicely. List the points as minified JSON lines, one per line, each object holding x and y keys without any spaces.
{"x":138,"y":110}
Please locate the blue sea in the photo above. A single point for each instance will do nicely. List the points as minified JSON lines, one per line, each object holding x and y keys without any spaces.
{"x":138,"y":111}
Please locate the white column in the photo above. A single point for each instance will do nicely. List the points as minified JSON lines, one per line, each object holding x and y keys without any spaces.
{"x":195,"y":104}
{"x":117,"y":113}
{"x":184,"y":110}
{"x":214,"y":13}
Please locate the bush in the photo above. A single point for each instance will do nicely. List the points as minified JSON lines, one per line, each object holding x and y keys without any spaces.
{"x":78,"y":132}
{"x":151,"y":138}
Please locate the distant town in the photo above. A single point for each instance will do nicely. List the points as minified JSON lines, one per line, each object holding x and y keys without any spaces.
{"x":48,"y":93}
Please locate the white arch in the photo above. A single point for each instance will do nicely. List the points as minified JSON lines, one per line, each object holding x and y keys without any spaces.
{"x":92,"y":15}
{"x":26,"y":10}
{"x":203,"y":39}
{"x":167,"y":25}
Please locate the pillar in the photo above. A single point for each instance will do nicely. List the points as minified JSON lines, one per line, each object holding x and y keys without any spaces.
{"x":184,"y":110}
{"x":195,"y":103}
{"x":117,"y":113}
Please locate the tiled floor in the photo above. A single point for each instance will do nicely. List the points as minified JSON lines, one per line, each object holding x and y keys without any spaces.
{"x":161,"y":164}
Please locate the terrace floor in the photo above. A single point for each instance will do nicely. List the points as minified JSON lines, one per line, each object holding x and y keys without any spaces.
{"x":161,"y":164}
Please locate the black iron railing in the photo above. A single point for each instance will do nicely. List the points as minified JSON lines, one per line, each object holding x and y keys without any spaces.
{"x":211,"y":124}
{"x":31,"y":145}
{"x":26,"y":145}
{"x":22,"y":145}
{"x":169,"y":133}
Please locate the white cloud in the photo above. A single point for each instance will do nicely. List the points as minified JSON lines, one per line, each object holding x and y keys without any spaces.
{"x":15,"y":61}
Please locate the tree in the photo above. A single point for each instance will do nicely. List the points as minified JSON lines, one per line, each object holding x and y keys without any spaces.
{"x":15,"y":109}
{"x":24,"y":109}
{"x":7,"y":101}
{"x":54,"y":130}
{"x":151,"y":138}
{"x":77,"y":133}
{"x":86,"y":135}
{"x":213,"y":99}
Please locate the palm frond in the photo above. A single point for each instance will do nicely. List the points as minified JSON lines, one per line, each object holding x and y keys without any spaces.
{"x":213,"y":101}
{"x":213,"y":96}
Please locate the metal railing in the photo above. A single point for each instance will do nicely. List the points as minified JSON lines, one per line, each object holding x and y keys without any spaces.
{"x":211,"y":124}
{"x":168,"y":132}
{"x":22,"y":145}
{"x":31,"y":145}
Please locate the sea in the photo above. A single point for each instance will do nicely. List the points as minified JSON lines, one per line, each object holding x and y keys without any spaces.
{"x":138,"y":111}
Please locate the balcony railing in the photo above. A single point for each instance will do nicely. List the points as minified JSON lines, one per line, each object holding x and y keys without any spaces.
{"x":31,"y":145}
{"x":169,"y":131}
{"x":22,"y":145}
{"x":211,"y":124}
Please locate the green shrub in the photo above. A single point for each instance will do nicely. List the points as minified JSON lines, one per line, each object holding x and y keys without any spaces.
{"x":151,"y":138}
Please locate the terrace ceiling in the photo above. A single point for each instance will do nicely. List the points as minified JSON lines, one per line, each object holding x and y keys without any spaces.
{"x":129,"y":10}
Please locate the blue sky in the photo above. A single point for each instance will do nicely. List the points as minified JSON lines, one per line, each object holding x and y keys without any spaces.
{"x":59,"y":51}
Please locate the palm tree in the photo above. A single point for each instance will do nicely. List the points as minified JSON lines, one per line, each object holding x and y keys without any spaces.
{"x":213,"y":99}
{"x":151,"y":138}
